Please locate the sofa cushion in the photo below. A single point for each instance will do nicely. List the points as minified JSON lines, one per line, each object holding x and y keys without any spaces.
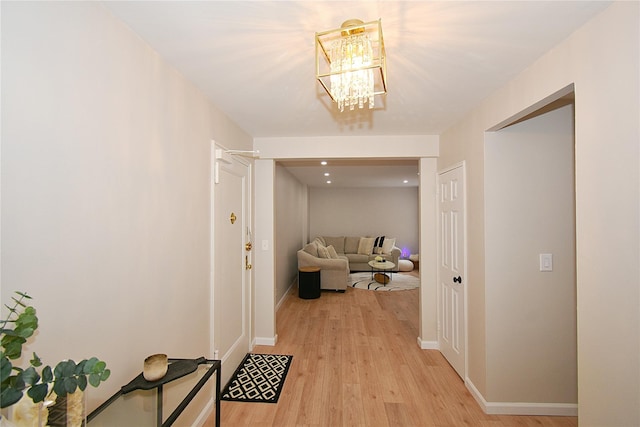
{"x":351,"y":245}
{"x":366,"y":245}
{"x":332,"y":251}
{"x":323,"y":252}
{"x":311,"y":249}
{"x":388,"y":245}
{"x":336,"y":242}
{"x":356,"y":258}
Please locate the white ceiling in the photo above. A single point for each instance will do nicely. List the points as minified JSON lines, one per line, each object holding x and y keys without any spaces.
{"x":255,"y":59}
{"x":356,"y":173}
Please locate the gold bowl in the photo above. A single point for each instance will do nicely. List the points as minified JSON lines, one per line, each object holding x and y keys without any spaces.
{"x":155,"y":367}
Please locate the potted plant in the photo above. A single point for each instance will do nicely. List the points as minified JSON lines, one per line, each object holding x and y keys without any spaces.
{"x":38,"y":382}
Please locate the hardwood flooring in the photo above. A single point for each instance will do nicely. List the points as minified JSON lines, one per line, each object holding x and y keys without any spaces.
{"x":356,"y":362}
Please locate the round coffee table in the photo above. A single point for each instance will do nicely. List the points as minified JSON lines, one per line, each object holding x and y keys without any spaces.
{"x":378,"y":271}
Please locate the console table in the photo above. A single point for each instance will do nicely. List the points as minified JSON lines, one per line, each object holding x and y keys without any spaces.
{"x":133,"y":403}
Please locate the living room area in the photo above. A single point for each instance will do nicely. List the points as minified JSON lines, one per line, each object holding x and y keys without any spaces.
{"x":381,"y":201}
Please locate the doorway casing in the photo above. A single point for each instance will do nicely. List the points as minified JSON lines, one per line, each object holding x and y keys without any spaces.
{"x":422,"y":147}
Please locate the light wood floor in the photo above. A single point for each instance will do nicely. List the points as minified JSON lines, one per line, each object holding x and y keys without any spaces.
{"x":356,"y":362}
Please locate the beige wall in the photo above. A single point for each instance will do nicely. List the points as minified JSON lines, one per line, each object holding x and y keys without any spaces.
{"x":391,"y":212}
{"x":602,"y":60}
{"x":105,"y":189}
{"x":291,"y":228}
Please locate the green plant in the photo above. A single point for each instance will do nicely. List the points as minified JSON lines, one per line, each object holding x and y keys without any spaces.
{"x":66,"y":377}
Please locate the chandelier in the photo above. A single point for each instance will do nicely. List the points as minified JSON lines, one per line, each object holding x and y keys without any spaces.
{"x":351,"y":63}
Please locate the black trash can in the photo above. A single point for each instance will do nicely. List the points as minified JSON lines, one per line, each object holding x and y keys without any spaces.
{"x":309,"y":282}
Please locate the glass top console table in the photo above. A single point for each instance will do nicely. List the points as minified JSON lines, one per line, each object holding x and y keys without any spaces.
{"x":142,"y":403}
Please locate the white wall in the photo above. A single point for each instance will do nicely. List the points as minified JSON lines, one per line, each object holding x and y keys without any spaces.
{"x":602,"y":60}
{"x":291,"y":227}
{"x":105,"y":189}
{"x":529,"y":207}
{"x":390,"y":212}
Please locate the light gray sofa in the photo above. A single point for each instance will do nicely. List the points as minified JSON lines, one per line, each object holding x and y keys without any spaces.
{"x":359,"y":252}
{"x":334,"y":272}
{"x":337,"y":256}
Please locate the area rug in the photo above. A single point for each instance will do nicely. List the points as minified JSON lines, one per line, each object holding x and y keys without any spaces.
{"x":259,"y":378}
{"x":399,"y":282}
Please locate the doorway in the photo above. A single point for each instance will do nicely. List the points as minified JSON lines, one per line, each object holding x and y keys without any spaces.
{"x":530,"y":259}
{"x":404,"y":147}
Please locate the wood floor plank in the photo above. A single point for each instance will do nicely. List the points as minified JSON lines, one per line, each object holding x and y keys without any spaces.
{"x":356,"y":362}
{"x":353,"y":414}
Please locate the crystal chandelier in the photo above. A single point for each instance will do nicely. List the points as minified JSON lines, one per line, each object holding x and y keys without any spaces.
{"x":351,"y":63}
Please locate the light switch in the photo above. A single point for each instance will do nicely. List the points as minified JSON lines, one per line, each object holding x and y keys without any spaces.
{"x":546,"y":262}
{"x":265,"y":245}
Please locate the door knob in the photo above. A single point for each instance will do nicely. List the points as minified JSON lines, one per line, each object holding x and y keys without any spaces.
{"x":457,"y":279}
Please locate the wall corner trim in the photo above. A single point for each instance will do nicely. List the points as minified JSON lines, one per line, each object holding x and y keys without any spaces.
{"x":428,"y":345}
{"x":521,"y":408}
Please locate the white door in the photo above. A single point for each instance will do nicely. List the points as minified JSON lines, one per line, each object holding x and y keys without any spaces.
{"x":231,"y":262}
{"x":451,"y":274}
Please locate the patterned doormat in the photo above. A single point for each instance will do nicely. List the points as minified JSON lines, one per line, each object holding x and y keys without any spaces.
{"x":259,"y":378}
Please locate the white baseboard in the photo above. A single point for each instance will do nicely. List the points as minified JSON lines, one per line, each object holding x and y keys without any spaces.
{"x":428,"y":345}
{"x":286,"y":293}
{"x":265,"y":341}
{"x":521,"y":408}
{"x":205,"y":413}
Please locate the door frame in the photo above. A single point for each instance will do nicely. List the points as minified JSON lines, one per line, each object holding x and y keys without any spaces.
{"x":219,"y":155}
{"x":465,"y":283}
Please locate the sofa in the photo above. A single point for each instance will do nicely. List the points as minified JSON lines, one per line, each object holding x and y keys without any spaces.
{"x":337,"y":256}
{"x":360,"y":250}
{"x":334,"y":272}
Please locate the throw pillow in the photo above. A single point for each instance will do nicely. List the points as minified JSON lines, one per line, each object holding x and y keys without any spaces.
{"x":366,"y":245}
{"x":388,"y":245}
{"x":323,"y":252}
{"x":311,"y":249}
{"x":379,"y":241}
{"x":332,"y":252}
{"x":377,"y":251}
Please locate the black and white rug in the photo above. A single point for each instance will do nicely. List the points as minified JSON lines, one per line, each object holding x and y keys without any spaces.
{"x":259,"y":378}
{"x":398,"y":282}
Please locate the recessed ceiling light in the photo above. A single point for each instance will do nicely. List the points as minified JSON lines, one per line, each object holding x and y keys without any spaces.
{"x":323,"y":163}
{"x":328,"y":182}
{"x":406,"y":181}
{"x":327,"y":174}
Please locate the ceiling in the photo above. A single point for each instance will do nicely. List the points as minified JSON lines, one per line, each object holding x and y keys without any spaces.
{"x":255,"y":59}
{"x":356,"y":173}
